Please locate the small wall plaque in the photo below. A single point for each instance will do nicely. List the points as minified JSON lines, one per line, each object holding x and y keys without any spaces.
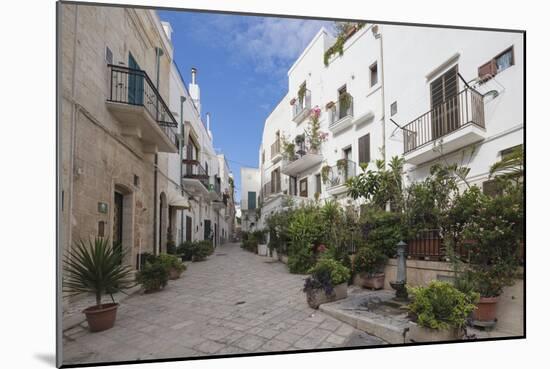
{"x":102,"y":207}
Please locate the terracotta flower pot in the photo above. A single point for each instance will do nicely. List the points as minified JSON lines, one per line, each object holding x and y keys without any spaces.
{"x":318,"y":296}
{"x":373,"y":281}
{"x":174,"y":274}
{"x":101,"y":317}
{"x":486,"y":309}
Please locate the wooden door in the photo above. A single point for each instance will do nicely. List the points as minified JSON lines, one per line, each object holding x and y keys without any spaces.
{"x":303,"y":187}
{"x":117,"y":221}
{"x":188,"y":228}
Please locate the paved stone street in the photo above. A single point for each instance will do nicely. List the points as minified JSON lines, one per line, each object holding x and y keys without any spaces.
{"x":235,"y":302}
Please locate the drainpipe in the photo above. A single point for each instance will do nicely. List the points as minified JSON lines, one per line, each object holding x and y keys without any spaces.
{"x":159,"y":53}
{"x":378,"y":36}
{"x":182,"y":100}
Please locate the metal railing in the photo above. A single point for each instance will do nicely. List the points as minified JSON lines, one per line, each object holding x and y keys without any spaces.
{"x":134,"y":87}
{"x":338,"y":174}
{"x":452,"y":114}
{"x":275,"y":148}
{"x":193,"y":169}
{"x":341,"y":109}
{"x":216,"y":185}
{"x":428,"y":244}
{"x":301,"y":107}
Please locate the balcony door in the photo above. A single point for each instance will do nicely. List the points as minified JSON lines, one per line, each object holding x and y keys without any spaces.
{"x":135,"y":82}
{"x":276,"y":181}
{"x":445,"y":109}
{"x":303,"y":187}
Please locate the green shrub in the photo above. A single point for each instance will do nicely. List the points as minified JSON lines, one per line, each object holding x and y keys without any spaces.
{"x":171,"y":262}
{"x":300,"y":257}
{"x":153,"y":276}
{"x":186,"y":250}
{"x":383,"y":230}
{"x":305,"y":230}
{"x":203,"y":250}
{"x":369,"y":260}
{"x":171,"y":247}
{"x":440,"y":305}
{"x":337,"y":271}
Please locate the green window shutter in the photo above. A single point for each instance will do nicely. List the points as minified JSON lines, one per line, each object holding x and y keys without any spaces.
{"x":251,"y":200}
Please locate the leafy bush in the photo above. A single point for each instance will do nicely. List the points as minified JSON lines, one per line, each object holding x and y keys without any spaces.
{"x":171,"y":247}
{"x":369,"y":260}
{"x":305,"y":231}
{"x":95,"y":268}
{"x":195,"y":250}
{"x":383,"y":230}
{"x":171,"y":262}
{"x":153,"y":276}
{"x":327,"y":273}
{"x":440,"y":305}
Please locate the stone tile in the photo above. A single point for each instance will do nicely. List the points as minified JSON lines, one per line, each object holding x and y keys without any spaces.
{"x":335,"y":339}
{"x":330,"y":324}
{"x":288,"y":337}
{"x":268,"y":333}
{"x":345,"y":330}
{"x":209,"y":347}
{"x":275,"y":345}
{"x":312,"y":339}
{"x":249,"y":342}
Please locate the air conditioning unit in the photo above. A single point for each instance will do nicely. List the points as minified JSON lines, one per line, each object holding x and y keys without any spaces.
{"x":487,"y":71}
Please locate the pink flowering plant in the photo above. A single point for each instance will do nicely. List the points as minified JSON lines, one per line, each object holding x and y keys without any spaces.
{"x":315,"y":137}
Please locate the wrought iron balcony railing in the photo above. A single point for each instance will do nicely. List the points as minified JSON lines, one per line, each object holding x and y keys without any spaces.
{"x":193,"y":169}
{"x":275,"y":148}
{"x":460,"y":110}
{"x":134,"y":87}
{"x":341,"y":109}
{"x":338,"y":174}
{"x":301,"y":107}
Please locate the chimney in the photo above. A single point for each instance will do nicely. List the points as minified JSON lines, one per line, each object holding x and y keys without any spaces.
{"x":194,"y":90}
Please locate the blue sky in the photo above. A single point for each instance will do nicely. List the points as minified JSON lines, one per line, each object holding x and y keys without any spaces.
{"x":242,"y":63}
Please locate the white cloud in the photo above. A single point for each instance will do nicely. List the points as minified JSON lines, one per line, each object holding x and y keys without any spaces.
{"x":268,"y":45}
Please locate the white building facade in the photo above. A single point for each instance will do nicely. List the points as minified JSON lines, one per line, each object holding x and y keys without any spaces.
{"x":431,"y":95}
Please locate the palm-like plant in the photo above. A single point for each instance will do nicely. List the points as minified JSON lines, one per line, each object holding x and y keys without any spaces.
{"x":95,"y":267}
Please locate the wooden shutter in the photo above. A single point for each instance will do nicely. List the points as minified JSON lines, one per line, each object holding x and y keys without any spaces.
{"x":364,"y":149}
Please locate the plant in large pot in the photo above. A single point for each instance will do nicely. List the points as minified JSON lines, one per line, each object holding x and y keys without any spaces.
{"x":96,"y":267}
{"x":368,"y":265}
{"x":153,"y":276}
{"x":174,"y":265}
{"x":494,"y":235}
{"x":439,"y":311}
{"x":327,"y":282}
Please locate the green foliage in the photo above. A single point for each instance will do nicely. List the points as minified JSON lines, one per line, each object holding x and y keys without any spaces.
{"x":95,"y":267}
{"x":171,"y":262}
{"x":510,"y":167}
{"x":325,"y":170}
{"x":381,"y":186}
{"x":277,"y":227}
{"x":301,"y":92}
{"x":440,"y":305}
{"x":369,"y":260}
{"x":153,"y":276}
{"x":288,"y":148}
{"x":305,"y":230}
{"x":383,"y":230}
{"x":337,"y":271}
{"x":195,"y":250}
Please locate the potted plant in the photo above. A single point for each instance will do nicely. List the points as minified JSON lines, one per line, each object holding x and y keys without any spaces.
{"x":301,"y":93}
{"x":439,"y":312}
{"x":368,"y":265}
{"x":327,"y":282}
{"x":96,"y":268}
{"x":153,"y":276}
{"x":174,"y":265}
{"x":325,"y":170}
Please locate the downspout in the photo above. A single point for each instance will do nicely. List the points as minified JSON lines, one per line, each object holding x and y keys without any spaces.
{"x":155,"y":187}
{"x":182,"y":100}
{"x":378,"y":36}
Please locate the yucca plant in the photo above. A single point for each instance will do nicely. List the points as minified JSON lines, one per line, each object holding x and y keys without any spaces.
{"x":95,"y":267}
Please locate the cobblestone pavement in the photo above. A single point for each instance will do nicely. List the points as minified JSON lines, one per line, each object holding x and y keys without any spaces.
{"x":234,"y":302}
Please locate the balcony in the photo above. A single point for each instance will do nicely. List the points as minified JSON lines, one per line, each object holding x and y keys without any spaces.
{"x":137,"y":105}
{"x":453,"y":124}
{"x":195,"y":178}
{"x":304,"y":158}
{"x":335,"y":181}
{"x":276,"y":151}
{"x":215,"y":189}
{"x":301,"y":107}
{"x":341,"y":114}
{"x":270,"y":190}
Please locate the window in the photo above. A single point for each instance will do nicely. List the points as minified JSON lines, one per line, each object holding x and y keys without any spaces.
{"x":504,"y":153}
{"x":251,"y":200}
{"x":108,"y":55}
{"x":373,"y":74}
{"x":318,"y":183}
{"x":393,"y":108}
{"x":364,"y":149}
{"x":496,"y":65}
{"x":136,"y":180}
{"x":303,"y":187}
{"x":505,"y":60}
{"x":263,"y":156}
{"x":276,"y":181}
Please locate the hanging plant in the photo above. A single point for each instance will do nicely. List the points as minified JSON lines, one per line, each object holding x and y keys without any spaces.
{"x":301,"y":93}
{"x":345,"y":31}
{"x":325,"y":170}
{"x":300,"y":139}
{"x":345,"y":101}
{"x":289,"y":149}
{"x":342,"y":165}
{"x":313,"y":132}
